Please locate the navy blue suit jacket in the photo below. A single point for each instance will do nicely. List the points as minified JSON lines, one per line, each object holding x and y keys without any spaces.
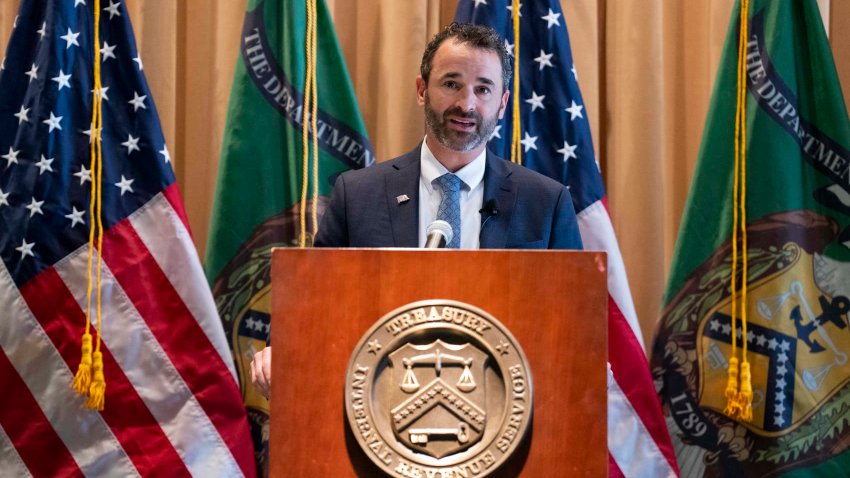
{"x":534,"y":212}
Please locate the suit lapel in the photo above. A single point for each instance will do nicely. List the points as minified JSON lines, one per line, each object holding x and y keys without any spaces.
{"x":499,"y":186}
{"x":403,"y":180}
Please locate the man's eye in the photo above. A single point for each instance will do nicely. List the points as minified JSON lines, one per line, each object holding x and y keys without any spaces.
{"x":483,"y":90}
{"x":450,"y":84}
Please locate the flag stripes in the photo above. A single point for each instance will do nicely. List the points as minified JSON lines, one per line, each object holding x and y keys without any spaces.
{"x":46,"y":378}
{"x":60,"y":318}
{"x":165,"y":234}
{"x":31,"y":432}
{"x":166,"y":411}
{"x":201,"y":373}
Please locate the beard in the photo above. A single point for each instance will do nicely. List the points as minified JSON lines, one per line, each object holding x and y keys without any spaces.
{"x":458,"y":140}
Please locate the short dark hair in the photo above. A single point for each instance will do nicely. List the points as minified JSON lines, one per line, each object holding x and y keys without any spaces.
{"x":476,"y":36}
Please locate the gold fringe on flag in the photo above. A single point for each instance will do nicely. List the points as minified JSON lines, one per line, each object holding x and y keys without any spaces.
{"x":516,"y":151}
{"x":309,"y":118}
{"x":739,"y":388}
{"x":89,"y":379}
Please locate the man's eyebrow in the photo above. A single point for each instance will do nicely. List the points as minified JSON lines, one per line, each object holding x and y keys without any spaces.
{"x":480,"y":79}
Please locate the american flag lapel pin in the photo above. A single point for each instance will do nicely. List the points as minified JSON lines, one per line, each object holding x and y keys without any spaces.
{"x":402,"y":199}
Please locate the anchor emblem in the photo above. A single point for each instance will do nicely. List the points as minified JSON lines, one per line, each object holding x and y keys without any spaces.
{"x":806,"y":323}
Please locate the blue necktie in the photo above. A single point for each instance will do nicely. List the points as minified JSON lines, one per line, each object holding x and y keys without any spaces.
{"x":449,"y":209}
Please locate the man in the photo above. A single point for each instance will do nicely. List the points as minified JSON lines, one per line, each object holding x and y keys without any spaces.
{"x":490,"y":203}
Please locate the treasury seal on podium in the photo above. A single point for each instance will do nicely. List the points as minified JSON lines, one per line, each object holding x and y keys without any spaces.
{"x":438,"y":388}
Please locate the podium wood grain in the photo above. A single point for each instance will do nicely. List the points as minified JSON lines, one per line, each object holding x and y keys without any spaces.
{"x":324,"y":300}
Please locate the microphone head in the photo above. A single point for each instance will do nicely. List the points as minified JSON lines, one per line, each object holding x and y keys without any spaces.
{"x":442,"y":227}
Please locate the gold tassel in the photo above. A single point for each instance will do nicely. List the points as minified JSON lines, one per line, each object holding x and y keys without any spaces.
{"x":83,"y":378}
{"x":733,"y":406}
{"x":98,"y":385}
{"x":745,"y":398}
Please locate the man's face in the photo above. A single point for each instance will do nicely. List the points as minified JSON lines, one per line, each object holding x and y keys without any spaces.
{"x":463,"y":99}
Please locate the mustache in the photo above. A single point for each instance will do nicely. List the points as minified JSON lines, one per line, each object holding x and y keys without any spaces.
{"x":457,"y":111}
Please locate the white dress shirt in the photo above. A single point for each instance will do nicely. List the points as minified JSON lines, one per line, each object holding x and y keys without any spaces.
{"x":471,"y":196}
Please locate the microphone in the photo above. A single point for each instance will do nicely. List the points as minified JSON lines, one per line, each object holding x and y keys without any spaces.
{"x":439,"y":234}
{"x":490,"y":210}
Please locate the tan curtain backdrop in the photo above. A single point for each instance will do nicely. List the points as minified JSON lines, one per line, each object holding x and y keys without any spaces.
{"x":646,"y":69}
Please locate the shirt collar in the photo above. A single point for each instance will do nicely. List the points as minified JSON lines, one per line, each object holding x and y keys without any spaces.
{"x":430,"y":169}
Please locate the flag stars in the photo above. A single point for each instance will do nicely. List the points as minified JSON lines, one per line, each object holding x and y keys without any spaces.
{"x":53,"y":122}
{"x":4,"y":198}
{"x":107,"y":52}
{"x":63,"y":80}
{"x":778,"y":420}
{"x":529,"y":142}
{"x":70,"y":39}
{"x":23,"y":115}
{"x":781,"y":370}
{"x":25,"y":249}
{"x":509,"y":48}
{"x":76,"y":217}
{"x":33,"y":73}
{"x":77,"y":3}
{"x":536,"y":101}
{"x":772,"y":343}
{"x":11,"y":157}
{"x":574,"y":110}
{"x":89,"y":134}
{"x":35,"y":207}
{"x":726,"y":328}
{"x":165,"y":155}
{"x":761,"y":340}
{"x":780,"y":384}
{"x":112,"y":9}
{"x":138,"y":61}
{"x":43,"y":31}
{"x":511,"y":9}
{"x":551,"y":19}
{"x":480,"y":2}
{"x":575,"y":72}
{"x":101,"y":92}
{"x":544,"y":60}
{"x":84,"y":174}
{"x":132,"y":144}
{"x":138,"y":101}
{"x":569,"y":151}
{"x":496,"y":132}
{"x":714,"y":325}
{"x":43,"y":165}
{"x":125,"y":185}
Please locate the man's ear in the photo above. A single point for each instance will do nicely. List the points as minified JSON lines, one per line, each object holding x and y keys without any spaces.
{"x":504,"y":104}
{"x":420,"y":90}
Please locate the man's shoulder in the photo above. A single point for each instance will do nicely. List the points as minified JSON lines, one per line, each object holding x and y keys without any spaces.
{"x":378,"y":170}
{"x":522,"y":174}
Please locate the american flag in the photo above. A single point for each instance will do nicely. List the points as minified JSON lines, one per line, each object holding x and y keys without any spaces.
{"x":173,"y":406}
{"x":556,"y":141}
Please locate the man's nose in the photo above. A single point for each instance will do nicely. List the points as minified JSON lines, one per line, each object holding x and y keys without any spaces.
{"x":466,"y":99}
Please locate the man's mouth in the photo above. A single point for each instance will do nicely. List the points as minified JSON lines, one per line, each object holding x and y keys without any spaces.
{"x":464,"y":123}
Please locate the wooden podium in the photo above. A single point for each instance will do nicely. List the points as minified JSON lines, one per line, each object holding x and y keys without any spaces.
{"x":553,"y":302}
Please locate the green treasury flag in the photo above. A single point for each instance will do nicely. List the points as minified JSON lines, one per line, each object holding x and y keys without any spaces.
{"x":798,"y":226}
{"x":260,"y":175}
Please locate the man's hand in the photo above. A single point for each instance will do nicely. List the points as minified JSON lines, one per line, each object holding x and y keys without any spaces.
{"x":261,"y":371}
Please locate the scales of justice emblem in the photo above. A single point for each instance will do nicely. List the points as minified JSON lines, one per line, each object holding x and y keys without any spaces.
{"x":438,"y":388}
